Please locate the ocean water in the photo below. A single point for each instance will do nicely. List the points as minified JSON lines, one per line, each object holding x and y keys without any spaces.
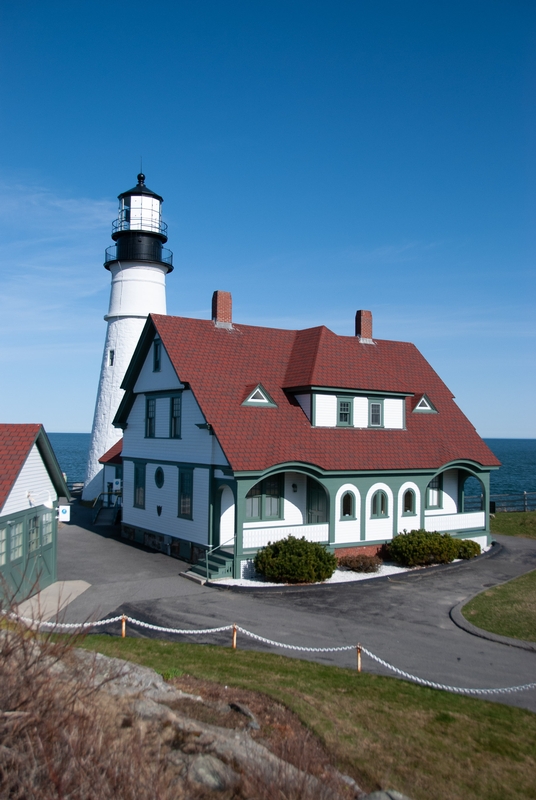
{"x":71,"y":451}
{"x":517,"y":474}
{"x":518,"y":470}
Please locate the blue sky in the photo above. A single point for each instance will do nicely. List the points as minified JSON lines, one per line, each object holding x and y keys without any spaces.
{"x":315,"y":158}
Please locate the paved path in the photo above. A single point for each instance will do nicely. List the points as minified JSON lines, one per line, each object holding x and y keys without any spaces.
{"x":404,"y":620}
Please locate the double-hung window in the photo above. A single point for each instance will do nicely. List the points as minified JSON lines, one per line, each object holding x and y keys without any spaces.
{"x":344,"y":412}
{"x":175,"y":417}
{"x":139,"y":485}
{"x":375,"y":415}
{"x":150,"y":418}
{"x":186,"y":492}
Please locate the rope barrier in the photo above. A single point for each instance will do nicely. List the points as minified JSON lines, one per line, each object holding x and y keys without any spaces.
{"x":123,"y":618}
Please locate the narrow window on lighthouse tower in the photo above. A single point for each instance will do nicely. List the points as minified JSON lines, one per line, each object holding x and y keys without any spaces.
{"x":111,"y":357}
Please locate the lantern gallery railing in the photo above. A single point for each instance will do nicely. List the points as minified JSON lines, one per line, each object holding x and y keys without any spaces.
{"x":139,"y":223}
{"x":164,"y":255}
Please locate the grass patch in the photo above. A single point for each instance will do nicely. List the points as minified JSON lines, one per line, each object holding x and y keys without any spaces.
{"x":382,"y":731}
{"x":514,"y":523}
{"x":509,"y":609}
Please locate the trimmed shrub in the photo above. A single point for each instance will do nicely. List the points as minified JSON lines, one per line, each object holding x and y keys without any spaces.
{"x":420,"y":547}
{"x":360,"y":563}
{"x":294,"y":560}
{"x":468,"y":549}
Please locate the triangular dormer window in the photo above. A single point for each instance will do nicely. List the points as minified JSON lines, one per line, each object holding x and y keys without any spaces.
{"x":259,"y":397}
{"x":425,"y":406}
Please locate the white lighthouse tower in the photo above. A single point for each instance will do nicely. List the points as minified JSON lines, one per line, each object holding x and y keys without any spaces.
{"x":139,"y":265}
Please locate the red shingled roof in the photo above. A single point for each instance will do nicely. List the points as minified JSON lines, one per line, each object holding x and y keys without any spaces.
{"x":220,"y":364}
{"x":16,"y":441}
{"x":113,"y":455}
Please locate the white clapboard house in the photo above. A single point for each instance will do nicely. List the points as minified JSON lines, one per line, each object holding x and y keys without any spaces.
{"x":31,"y":483}
{"x":237,"y":435}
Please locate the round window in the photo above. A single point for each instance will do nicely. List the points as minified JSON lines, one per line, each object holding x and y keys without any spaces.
{"x":159,"y":477}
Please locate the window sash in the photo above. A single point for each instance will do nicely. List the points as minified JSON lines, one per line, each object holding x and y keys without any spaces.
{"x":17,"y":540}
{"x":3,"y":546}
{"x":379,"y":507}
{"x":157,"y":356}
{"x":347,"y":506}
{"x":263,"y":501}
{"x":139,"y":485}
{"x":344,"y":412}
{"x":375,"y":414}
{"x":150,"y":418}
{"x":185,"y":493}
{"x":47,"y":528}
{"x":33,"y":534}
{"x":433,"y":493}
{"x":175,"y":414}
{"x":409,"y":502}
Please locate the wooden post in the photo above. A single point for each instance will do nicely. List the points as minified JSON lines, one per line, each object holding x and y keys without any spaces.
{"x":234,"y":637}
{"x":358,"y":648}
{"x":123,"y":626}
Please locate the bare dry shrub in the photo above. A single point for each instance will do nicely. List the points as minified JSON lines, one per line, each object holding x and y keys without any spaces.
{"x":56,"y":740}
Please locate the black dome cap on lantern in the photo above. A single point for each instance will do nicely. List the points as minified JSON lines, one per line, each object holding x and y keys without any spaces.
{"x":140,"y":189}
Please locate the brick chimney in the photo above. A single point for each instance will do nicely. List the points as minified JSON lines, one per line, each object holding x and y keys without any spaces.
{"x":222,"y":309}
{"x":363,"y":326}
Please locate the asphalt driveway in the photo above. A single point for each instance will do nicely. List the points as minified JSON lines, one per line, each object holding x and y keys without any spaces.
{"x":404,"y":620}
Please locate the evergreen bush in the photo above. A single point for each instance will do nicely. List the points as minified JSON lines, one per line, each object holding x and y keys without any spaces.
{"x":420,"y":548}
{"x":468,"y":549}
{"x":293,"y":560}
{"x":360,"y":563}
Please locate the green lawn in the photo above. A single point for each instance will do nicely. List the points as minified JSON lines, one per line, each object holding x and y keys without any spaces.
{"x":515,"y":523}
{"x":382,"y":731}
{"x":508,"y":609}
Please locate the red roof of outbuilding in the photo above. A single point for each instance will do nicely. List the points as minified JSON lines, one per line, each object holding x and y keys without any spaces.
{"x":16,"y":441}
{"x":113,"y":455}
{"x":220,"y":364}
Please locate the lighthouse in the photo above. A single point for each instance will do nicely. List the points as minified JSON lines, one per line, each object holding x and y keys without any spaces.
{"x":138,"y":264}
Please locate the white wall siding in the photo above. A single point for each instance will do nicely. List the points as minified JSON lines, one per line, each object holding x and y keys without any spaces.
{"x":449,"y":495}
{"x":325,"y":410}
{"x":33,"y":478}
{"x":168,"y":522}
{"x":259,"y":537}
{"x":347,"y":530}
{"x":165,"y":380}
{"x":409,"y":522}
{"x":481,"y":540}
{"x":361,"y":412}
{"x":227,"y":517}
{"x":393,"y":412}
{"x":305,"y":402}
{"x":455,"y":522}
{"x":294,"y":504}
{"x":381,"y":528}
{"x":196,"y":446}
